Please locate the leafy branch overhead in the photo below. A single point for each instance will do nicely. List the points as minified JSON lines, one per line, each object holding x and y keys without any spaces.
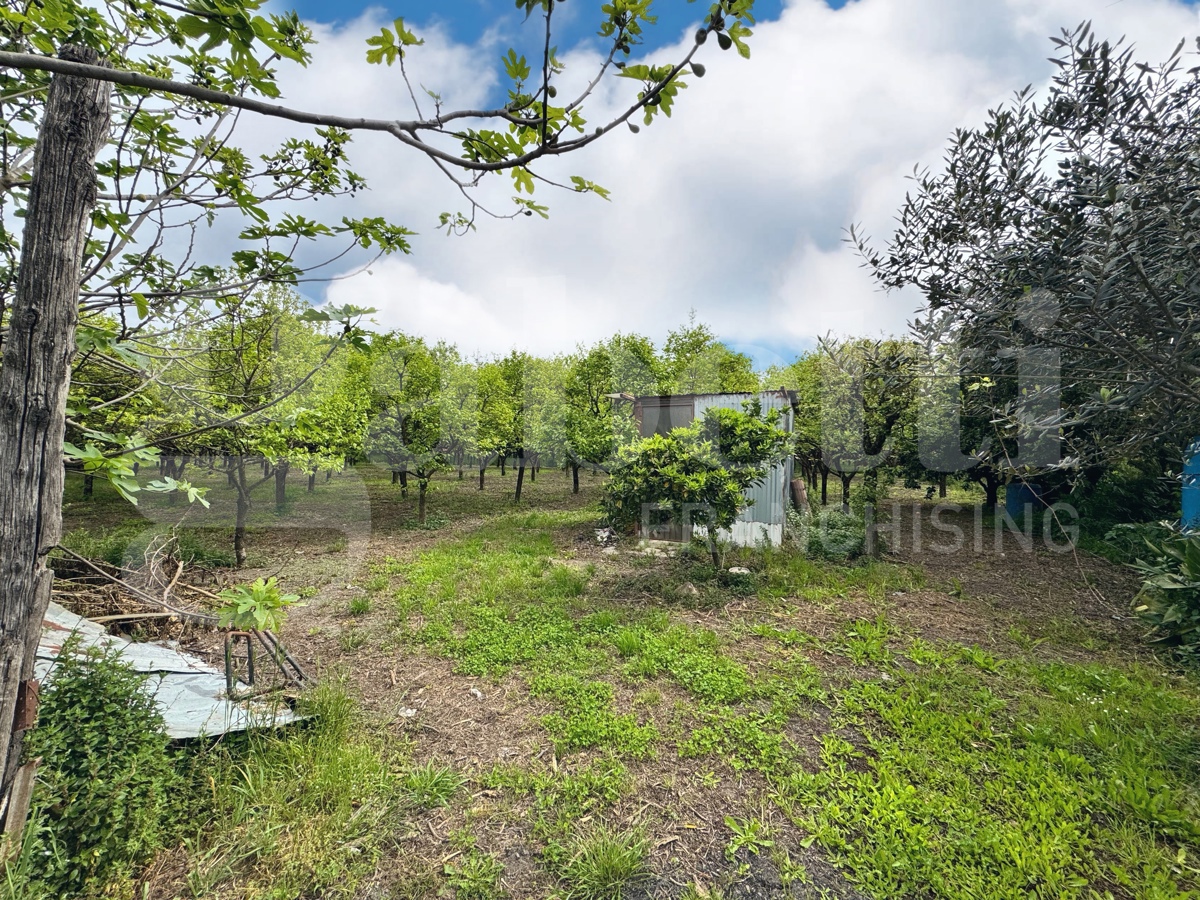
{"x":173,"y":166}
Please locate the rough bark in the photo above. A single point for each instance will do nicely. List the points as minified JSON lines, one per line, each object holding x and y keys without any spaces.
{"x":312,"y":481}
{"x":281,"y":474}
{"x":243,"y":510}
{"x":36,"y":373}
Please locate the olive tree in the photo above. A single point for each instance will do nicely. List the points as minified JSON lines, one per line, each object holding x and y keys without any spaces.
{"x":1063,"y":233}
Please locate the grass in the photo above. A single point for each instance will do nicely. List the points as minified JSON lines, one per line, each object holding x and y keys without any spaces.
{"x":430,"y":785}
{"x":475,"y":877}
{"x":802,"y":706}
{"x":604,"y":861}
{"x":1009,"y":779}
{"x":304,"y":812}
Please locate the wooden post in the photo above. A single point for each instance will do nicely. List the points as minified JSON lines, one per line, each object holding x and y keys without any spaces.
{"x":36,"y":373}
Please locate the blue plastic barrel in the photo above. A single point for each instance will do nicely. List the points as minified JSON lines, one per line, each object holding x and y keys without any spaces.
{"x":1191,"y":486}
{"x":1018,"y":495}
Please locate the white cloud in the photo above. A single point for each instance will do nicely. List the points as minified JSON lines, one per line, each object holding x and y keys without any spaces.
{"x":736,"y":206}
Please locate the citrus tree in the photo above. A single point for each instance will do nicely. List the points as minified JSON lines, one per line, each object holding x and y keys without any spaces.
{"x":698,"y":474}
{"x":406,"y":405}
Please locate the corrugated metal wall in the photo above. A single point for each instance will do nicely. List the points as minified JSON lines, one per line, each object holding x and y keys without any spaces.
{"x":770,"y":497}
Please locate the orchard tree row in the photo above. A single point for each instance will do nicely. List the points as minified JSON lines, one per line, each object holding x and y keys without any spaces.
{"x":266,"y":378}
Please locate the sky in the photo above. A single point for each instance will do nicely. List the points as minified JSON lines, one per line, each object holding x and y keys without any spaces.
{"x":737,"y":207}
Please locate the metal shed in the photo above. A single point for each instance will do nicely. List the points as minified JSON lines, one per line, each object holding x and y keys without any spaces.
{"x":762,"y":519}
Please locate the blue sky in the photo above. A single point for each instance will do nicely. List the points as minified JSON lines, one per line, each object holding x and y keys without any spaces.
{"x":736,"y":207}
{"x":467,"y":20}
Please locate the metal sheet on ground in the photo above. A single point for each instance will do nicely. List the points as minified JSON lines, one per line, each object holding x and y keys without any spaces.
{"x":189,"y":693}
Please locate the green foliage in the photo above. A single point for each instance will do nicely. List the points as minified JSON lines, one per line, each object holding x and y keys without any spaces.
{"x":830,"y":534}
{"x":1127,"y":492}
{"x":695,"y":362}
{"x":1123,"y":544}
{"x":475,"y":877}
{"x":693,"y":659}
{"x":257,"y":606}
{"x":1170,"y":595}
{"x":586,"y":718}
{"x":866,"y":642}
{"x":107,"y":786}
{"x":753,"y":741}
{"x":123,"y":545}
{"x":1046,"y":781}
{"x":406,"y":404}
{"x":304,"y":812}
{"x":700,"y":471}
{"x":750,"y":834}
{"x":388,"y":46}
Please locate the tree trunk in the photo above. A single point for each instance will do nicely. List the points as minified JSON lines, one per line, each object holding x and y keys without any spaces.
{"x":846,"y":479}
{"x":533,"y":469}
{"x":89,"y":483}
{"x":312,"y":481}
{"x":482,"y":469}
{"x":503,"y":463}
{"x":520,"y":473}
{"x":281,"y":474}
{"x":824,"y":487}
{"x":422,"y":488}
{"x":243,"y":509}
{"x":712,"y":547}
{"x":395,"y":476}
{"x":404,"y":481}
{"x":574,"y":478}
{"x":991,"y":488}
{"x":942,"y":486}
{"x":36,"y":373}
{"x":329,"y":476}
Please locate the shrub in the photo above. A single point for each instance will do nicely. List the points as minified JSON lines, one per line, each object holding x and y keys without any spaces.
{"x":105,"y":786}
{"x":696,"y":475}
{"x":1126,"y":493}
{"x":832,"y":534}
{"x":258,"y":605}
{"x":1170,"y":595}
